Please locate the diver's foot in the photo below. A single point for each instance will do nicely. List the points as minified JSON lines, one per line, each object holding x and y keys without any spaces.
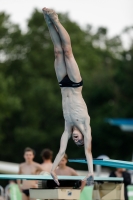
{"x":44,"y":10}
{"x":46,"y":16}
{"x":53,"y":15}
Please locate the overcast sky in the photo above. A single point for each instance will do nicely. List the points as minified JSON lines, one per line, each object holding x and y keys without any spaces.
{"x":113,"y":14}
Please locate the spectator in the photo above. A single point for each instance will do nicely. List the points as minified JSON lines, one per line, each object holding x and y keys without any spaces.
{"x":47,"y":156}
{"x":28,"y":167}
{"x":63,"y":169}
{"x":120,"y":172}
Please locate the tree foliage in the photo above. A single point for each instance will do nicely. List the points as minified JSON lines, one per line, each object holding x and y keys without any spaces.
{"x":30,"y":99}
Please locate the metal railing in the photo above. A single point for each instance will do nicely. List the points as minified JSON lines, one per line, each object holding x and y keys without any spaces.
{"x":1,"y":193}
{"x":7,"y":196}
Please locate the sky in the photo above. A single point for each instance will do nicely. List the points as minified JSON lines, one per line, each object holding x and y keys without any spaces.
{"x":112,"y":14}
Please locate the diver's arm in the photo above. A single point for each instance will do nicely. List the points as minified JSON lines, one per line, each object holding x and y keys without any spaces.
{"x":87,"y":147}
{"x":63,"y":145}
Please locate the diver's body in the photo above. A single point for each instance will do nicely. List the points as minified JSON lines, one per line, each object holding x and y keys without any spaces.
{"x":77,"y":120}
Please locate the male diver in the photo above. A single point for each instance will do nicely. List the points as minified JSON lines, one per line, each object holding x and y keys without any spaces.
{"x":77,"y":120}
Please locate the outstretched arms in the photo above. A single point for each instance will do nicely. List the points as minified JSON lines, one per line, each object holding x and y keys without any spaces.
{"x":63,"y":145}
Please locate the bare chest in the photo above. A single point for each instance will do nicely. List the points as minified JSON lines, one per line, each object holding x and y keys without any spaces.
{"x":28,"y":169}
{"x":63,"y":172}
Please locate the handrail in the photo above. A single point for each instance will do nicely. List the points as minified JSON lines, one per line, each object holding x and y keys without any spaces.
{"x":7,"y":192}
{"x":2,"y":191}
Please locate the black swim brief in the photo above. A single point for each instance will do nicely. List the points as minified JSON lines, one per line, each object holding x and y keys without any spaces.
{"x":26,"y":192}
{"x":66,"y":82}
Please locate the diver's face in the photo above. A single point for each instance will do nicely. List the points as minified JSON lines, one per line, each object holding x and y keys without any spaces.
{"x":77,"y":137}
{"x":120,"y":170}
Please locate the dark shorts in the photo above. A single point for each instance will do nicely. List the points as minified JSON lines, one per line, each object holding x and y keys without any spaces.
{"x":26,"y":192}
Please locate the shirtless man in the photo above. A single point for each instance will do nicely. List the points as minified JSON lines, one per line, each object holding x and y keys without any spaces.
{"x":62,"y":169}
{"x":28,"y":167}
{"x":47,"y":156}
{"x":77,"y":120}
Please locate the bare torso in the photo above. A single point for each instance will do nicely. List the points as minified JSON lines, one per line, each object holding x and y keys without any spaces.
{"x":47,"y":167}
{"x":74,"y":107}
{"x":30,"y":169}
{"x":67,"y":171}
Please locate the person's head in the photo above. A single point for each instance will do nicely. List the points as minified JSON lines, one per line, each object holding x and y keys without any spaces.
{"x":29,"y":154}
{"x":12,"y":182}
{"x":63,"y":161}
{"x":120,"y":170}
{"x":47,"y":154}
{"x":77,"y":137}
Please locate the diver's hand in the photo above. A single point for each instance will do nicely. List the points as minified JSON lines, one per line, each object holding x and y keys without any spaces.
{"x":87,"y":181}
{"x":53,"y":174}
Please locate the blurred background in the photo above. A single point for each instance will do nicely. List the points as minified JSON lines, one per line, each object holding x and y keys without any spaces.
{"x":30,"y":101}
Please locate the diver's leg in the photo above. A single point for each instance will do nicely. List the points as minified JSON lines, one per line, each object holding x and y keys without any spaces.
{"x":59,"y":63}
{"x":71,"y":65}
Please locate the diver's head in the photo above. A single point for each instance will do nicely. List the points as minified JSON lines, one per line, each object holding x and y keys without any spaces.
{"x":77,"y":137}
